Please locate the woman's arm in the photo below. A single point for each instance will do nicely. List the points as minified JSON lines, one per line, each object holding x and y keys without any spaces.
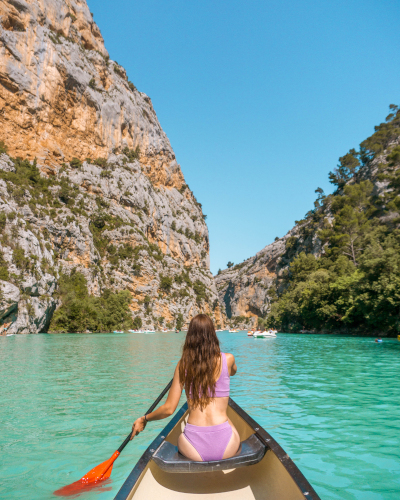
{"x":230,"y":360}
{"x":165,"y":410}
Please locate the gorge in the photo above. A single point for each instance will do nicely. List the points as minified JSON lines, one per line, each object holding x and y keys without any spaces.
{"x":100,"y":231}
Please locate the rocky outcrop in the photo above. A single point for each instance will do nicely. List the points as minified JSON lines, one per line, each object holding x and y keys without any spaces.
{"x":62,"y":97}
{"x":101,"y":191}
{"x":246,"y":289}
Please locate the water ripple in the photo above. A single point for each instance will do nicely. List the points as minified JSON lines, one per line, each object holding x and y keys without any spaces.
{"x":70,"y":400}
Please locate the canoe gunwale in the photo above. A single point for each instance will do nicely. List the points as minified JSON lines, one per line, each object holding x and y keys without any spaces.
{"x":270,"y":443}
{"x":266,"y":438}
{"x":131,"y":480}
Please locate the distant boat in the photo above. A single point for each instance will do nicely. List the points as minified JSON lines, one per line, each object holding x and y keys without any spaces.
{"x":263,"y":335}
{"x":10,"y":334}
{"x":118,"y":331}
{"x":233,"y":331}
{"x":249,"y":333}
{"x":150,"y":331}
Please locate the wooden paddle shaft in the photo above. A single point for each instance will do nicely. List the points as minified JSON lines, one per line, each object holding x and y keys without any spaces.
{"x":152,"y":407}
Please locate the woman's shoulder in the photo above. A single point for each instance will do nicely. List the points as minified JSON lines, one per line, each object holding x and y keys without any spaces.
{"x":230,"y":358}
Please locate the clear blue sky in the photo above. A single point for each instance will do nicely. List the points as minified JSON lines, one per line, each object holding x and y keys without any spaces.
{"x":258,"y":98}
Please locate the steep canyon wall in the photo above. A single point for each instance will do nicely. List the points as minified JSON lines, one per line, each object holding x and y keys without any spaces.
{"x":89,"y":182}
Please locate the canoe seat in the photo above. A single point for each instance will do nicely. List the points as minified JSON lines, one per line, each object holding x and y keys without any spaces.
{"x":168,"y":458}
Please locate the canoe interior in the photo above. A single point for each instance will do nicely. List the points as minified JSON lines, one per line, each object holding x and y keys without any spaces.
{"x":267,"y":480}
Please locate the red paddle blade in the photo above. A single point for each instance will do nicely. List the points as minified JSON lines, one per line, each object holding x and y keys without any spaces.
{"x":94,"y":476}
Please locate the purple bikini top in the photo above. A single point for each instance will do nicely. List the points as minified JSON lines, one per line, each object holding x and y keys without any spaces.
{"x":222,"y":385}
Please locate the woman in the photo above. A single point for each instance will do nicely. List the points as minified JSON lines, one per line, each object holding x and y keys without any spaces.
{"x":204,"y":373}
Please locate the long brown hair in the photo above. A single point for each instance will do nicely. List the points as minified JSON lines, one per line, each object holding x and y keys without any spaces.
{"x":201,"y":357}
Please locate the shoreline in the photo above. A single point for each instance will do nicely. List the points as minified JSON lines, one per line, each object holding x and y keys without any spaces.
{"x":339,"y":334}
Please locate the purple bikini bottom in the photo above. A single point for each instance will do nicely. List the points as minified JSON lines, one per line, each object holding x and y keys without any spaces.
{"x":209,"y":442}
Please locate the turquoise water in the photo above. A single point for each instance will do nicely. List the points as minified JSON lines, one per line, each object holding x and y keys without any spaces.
{"x":68,"y":401}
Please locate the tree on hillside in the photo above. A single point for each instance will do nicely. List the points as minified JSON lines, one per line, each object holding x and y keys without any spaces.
{"x":351,"y":221}
{"x":349,"y":165}
{"x":230,"y":264}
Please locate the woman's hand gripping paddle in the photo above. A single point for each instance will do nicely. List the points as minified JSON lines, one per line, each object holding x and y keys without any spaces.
{"x":102,"y":471}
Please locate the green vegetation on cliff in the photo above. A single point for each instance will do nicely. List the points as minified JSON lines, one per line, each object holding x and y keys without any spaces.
{"x":80,"y":311}
{"x":355,"y":283}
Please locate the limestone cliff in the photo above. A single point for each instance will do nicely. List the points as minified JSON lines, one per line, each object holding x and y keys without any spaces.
{"x":62,"y":97}
{"x":247,"y":289}
{"x":111,"y":201}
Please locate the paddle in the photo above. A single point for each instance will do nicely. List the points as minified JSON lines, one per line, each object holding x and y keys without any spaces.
{"x":103,"y":471}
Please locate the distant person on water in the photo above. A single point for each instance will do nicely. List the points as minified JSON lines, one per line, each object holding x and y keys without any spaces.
{"x":203,"y":371}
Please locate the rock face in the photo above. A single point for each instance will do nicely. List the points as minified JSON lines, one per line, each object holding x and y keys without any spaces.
{"x":246,"y":289}
{"x":62,"y":97}
{"x":115,"y":205}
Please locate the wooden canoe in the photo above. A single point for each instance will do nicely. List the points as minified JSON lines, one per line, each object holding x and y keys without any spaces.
{"x":260,"y":471}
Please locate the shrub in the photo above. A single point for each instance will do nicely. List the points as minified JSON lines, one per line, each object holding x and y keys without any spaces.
{"x":3,"y":220}
{"x":66,"y":193}
{"x":132,"y":86}
{"x":101,"y":202}
{"x":3,"y":268}
{"x":100,"y":162}
{"x":99,"y":220}
{"x":137,"y":323}
{"x":199,"y":289}
{"x":106,"y":174}
{"x":75,"y":163}
{"x":19,"y":258}
{"x":119,"y":70}
{"x":165,"y":283}
{"x":125,"y":251}
{"x":4,"y":275}
{"x":80,"y":311}
{"x":290,"y":242}
{"x":132,"y":154}
{"x":179,"y":321}
{"x":3,"y":147}
{"x":173,"y":225}
{"x":92,"y":84}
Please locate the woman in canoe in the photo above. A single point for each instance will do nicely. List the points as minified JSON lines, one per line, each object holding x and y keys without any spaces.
{"x":203,"y":371}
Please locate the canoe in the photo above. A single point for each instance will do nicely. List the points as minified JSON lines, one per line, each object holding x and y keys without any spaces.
{"x":261,"y":470}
